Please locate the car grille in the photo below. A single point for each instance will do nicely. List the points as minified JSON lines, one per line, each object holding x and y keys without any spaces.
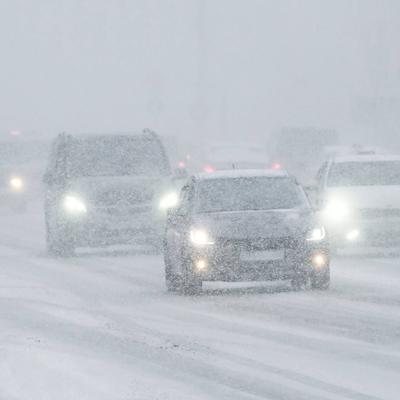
{"x":259,"y":243}
{"x":124,"y":198}
{"x":380,"y":212}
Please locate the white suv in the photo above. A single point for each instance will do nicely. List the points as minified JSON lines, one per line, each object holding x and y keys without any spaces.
{"x":359,"y":199}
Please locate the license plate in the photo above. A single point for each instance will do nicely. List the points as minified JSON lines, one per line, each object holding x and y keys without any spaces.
{"x":263,"y":255}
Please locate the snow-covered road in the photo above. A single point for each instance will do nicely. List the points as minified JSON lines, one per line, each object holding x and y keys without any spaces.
{"x":101,"y":326}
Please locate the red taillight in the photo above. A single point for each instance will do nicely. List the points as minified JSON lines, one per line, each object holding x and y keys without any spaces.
{"x":276,"y":165}
{"x":209,"y":169}
{"x":181,"y":164}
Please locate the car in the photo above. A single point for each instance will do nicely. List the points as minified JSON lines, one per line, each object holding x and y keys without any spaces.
{"x":301,"y":150}
{"x":221,"y":156}
{"x":244,"y":225}
{"x":21,"y":167}
{"x":359,"y":199}
{"x":106,"y":189}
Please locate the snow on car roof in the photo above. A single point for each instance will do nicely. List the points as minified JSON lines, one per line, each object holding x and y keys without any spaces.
{"x":366,"y":158}
{"x":242,"y":173}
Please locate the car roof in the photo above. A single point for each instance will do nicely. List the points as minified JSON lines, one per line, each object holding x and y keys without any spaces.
{"x":366,"y":158}
{"x":107,"y":135}
{"x":241,"y":173}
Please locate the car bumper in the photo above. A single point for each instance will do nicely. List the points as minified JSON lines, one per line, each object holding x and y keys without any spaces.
{"x":217,"y":263}
{"x":369,"y":232}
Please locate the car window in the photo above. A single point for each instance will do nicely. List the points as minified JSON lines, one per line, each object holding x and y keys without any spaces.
{"x":365,"y":173}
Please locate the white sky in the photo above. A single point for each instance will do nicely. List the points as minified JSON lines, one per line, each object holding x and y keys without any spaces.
{"x":215,"y":67}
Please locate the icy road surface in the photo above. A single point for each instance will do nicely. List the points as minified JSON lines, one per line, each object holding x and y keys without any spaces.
{"x":101,"y":326}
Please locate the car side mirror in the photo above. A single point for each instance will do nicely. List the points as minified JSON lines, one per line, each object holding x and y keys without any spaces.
{"x":52,"y":179}
{"x":48,"y":178}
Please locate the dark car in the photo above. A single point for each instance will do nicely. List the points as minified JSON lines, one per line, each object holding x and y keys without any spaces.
{"x":106,"y":189}
{"x":244,"y":226}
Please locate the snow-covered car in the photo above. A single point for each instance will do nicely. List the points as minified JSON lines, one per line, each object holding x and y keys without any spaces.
{"x":359,"y":199}
{"x":247,"y":225}
{"x":106,"y":189}
{"x":21,"y":168}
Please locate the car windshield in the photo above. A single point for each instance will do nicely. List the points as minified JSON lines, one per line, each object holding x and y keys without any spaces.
{"x":249,"y":193}
{"x":378,"y":173}
{"x":116,"y":156}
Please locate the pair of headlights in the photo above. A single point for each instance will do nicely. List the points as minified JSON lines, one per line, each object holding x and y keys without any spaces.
{"x":75,"y":205}
{"x":200,"y":237}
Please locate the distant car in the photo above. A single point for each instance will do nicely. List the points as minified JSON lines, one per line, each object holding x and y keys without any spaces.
{"x":301,"y":150}
{"x":234,"y":155}
{"x":106,"y":189}
{"x":244,"y":226}
{"x":21,"y":168}
{"x":359,"y":199}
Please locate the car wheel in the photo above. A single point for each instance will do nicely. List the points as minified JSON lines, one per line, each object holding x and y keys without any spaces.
{"x":58,"y":244}
{"x":172,"y":281}
{"x":191,"y":284}
{"x":299,"y":282}
{"x":321,"y":281}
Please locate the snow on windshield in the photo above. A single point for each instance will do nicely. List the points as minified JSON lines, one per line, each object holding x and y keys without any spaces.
{"x":115,"y":156}
{"x":365,"y":173}
{"x":245,"y":194}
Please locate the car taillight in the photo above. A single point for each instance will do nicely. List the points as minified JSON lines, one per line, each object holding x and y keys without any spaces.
{"x":209,"y":169}
{"x":276,"y":165}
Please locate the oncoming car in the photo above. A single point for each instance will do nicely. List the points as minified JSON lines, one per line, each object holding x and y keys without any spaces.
{"x":359,"y":199}
{"x":21,"y":168}
{"x":249,"y":225}
{"x":106,"y":189}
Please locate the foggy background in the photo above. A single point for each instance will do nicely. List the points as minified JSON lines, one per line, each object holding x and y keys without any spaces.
{"x":216,"y":68}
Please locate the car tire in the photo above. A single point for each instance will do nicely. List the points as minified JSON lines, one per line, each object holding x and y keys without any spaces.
{"x":321,"y":281}
{"x":299,"y":282}
{"x":172,"y":281}
{"x":58,"y":244}
{"x":191,"y":284}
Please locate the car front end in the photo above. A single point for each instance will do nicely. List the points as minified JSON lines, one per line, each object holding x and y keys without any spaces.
{"x":363,"y":217}
{"x":119,"y":211}
{"x":282,"y":249}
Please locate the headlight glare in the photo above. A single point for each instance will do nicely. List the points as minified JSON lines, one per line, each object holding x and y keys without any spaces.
{"x":169,"y":200}
{"x":200,"y":237}
{"x":16,"y":183}
{"x":74,"y":205}
{"x":316,"y":234}
{"x":337,"y":210}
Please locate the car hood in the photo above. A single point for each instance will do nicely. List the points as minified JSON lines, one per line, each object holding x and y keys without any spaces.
{"x":255,"y":224}
{"x":361,"y":197}
{"x":110,"y":190}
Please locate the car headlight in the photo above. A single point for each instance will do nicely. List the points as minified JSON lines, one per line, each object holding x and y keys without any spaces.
{"x":337,"y":210}
{"x":200,"y":237}
{"x":169,"y":200}
{"x":74,"y":205}
{"x":16,"y":183}
{"x":316,"y":234}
